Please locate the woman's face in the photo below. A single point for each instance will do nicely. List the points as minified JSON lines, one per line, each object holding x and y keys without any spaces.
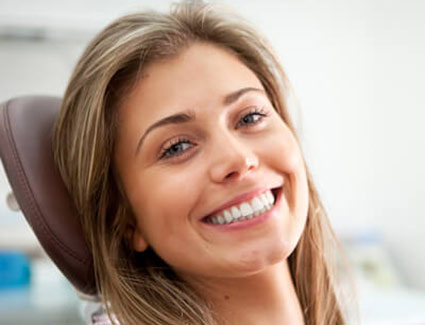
{"x":202,"y":155}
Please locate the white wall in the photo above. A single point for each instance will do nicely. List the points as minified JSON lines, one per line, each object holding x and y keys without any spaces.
{"x":357,"y":68}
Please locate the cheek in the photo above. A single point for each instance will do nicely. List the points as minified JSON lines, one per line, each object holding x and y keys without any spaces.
{"x":163,"y":204}
{"x":165,"y":221}
{"x":281,"y":150}
{"x":286,"y":157}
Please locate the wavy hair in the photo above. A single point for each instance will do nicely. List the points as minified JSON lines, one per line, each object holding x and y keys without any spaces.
{"x":140,"y":288}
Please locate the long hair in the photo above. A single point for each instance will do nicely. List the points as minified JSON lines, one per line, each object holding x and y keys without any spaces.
{"x":140,"y":288}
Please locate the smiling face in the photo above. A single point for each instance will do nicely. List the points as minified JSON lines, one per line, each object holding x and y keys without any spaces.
{"x":200,"y":148}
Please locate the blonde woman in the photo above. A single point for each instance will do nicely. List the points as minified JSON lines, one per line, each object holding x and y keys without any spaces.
{"x":175,"y":143}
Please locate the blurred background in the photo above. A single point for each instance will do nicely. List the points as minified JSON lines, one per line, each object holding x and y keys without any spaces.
{"x":358,"y":72}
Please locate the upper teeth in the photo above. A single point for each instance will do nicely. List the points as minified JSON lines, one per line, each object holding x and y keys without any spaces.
{"x":246,"y":210}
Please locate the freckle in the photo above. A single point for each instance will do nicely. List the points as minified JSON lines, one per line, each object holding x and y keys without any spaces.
{"x":226,"y":297}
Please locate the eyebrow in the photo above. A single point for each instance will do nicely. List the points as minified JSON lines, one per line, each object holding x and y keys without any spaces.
{"x":189,"y":116}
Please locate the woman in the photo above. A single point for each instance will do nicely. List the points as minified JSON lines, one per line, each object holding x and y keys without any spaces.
{"x":175,"y":143}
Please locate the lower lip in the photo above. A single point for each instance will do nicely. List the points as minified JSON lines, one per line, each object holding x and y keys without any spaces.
{"x":243,"y":224}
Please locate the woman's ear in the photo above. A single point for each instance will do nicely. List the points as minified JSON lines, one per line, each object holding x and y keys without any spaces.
{"x":135,"y":239}
{"x":138,"y":241}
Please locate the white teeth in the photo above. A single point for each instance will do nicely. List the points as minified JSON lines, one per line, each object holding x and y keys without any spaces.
{"x":270,"y":197}
{"x":246,"y":209}
{"x":264,"y":200}
{"x":236,"y":214}
{"x":228,"y":216}
{"x":256,"y":204}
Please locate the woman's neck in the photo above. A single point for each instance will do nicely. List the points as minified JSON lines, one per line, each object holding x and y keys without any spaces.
{"x":268,"y":298}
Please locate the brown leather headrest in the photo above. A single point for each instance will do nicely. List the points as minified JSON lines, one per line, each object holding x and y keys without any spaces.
{"x":26,"y":125}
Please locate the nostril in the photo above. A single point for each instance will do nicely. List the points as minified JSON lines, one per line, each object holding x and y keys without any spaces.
{"x":232,"y":163}
{"x":231,"y":175}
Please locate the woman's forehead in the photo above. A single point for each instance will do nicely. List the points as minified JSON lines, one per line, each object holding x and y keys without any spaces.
{"x":200,"y":77}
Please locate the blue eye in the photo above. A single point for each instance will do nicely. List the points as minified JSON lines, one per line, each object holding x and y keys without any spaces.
{"x":176,"y":148}
{"x":252,"y":118}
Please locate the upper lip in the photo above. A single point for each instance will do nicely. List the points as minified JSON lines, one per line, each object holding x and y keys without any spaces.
{"x":241,"y":198}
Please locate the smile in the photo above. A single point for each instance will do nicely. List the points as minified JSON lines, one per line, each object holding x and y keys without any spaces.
{"x":246,"y":210}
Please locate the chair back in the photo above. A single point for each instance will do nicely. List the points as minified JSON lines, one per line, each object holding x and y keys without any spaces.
{"x":26,"y":126}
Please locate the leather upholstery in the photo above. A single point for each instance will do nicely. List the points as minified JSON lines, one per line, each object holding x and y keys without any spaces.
{"x":25,"y":149}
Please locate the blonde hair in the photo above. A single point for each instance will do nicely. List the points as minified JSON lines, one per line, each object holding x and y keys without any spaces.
{"x":139,"y":288}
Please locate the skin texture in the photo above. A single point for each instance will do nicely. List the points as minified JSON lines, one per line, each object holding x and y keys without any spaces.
{"x":227,"y":150}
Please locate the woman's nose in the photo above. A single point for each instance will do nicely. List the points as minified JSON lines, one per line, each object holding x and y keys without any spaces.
{"x":232,"y":160}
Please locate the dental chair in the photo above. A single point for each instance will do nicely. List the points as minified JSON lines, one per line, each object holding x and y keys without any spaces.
{"x":26,"y":125}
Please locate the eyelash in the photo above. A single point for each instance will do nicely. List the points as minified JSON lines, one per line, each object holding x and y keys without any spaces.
{"x":261,"y":113}
{"x":166,"y":151}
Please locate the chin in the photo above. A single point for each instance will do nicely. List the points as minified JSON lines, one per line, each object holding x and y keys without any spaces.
{"x":256,"y":260}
